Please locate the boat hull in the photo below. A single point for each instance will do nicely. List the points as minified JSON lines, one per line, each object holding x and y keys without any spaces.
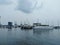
{"x":42,"y":28}
{"x":26,"y":27}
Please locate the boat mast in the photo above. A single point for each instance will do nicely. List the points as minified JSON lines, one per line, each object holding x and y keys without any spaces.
{"x":0,"y":20}
{"x":58,"y":23}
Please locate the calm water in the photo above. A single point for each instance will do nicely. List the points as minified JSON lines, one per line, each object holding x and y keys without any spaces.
{"x":29,"y":37}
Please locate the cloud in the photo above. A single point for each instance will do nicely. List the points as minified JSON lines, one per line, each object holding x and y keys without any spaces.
{"x":27,"y":6}
{"x":5,"y":2}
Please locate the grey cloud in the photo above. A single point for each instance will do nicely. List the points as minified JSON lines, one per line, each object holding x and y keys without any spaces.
{"x":5,"y":2}
{"x":27,"y":6}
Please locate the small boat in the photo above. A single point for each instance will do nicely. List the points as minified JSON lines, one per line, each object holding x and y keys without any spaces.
{"x":26,"y":26}
{"x":57,"y":27}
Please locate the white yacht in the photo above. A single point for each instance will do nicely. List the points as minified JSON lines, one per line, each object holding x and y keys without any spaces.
{"x":42,"y":27}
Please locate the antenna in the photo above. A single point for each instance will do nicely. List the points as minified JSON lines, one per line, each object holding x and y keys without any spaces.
{"x":58,"y":22}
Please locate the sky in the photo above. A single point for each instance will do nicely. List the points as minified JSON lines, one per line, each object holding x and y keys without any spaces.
{"x":30,"y":11}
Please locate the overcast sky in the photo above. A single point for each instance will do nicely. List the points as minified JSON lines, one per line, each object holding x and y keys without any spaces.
{"x":29,"y":11}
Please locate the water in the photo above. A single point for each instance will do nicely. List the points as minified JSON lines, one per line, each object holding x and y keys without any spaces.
{"x":29,"y":37}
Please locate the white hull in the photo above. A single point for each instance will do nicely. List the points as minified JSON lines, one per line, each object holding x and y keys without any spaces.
{"x":43,"y":28}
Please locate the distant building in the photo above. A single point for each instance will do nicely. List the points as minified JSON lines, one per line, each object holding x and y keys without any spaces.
{"x":10,"y":24}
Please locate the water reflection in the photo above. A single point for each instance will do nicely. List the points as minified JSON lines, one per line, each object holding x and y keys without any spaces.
{"x":29,"y":37}
{"x":9,"y":30}
{"x":41,"y":31}
{"x":13,"y":35}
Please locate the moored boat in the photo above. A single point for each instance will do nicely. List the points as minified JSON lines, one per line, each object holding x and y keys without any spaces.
{"x":26,"y":26}
{"x":39,"y":26}
{"x":43,"y":28}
